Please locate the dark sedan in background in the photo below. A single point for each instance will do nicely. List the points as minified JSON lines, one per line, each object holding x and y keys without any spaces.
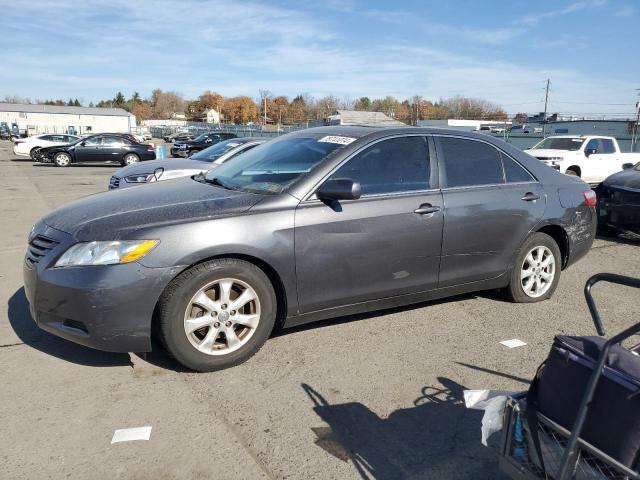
{"x":160,"y":170}
{"x":619,"y":202}
{"x":189,"y":147}
{"x":315,"y":224}
{"x":106,"y":147}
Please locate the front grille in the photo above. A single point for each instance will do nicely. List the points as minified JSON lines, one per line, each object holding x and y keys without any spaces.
{"x":114,"y":182}
{"x":38,"y":247}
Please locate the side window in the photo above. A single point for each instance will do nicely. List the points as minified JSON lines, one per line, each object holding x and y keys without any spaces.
{"x":394,"y":165}
{"x":93,"y":141}
{"x":513,"y":171}
{"x":592,"y":145}
{"x":607,"y":146}
{"x":46,"y":138}
{"x":112,"y":142}
{"x":470,"y":162}
{"x":57,"y":138}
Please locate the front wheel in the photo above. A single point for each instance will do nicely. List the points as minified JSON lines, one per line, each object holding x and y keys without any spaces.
{"x":32,"y":153}
{"x":62,"y":159}
{"x":217,"y":314}
{"x":536,"y":273}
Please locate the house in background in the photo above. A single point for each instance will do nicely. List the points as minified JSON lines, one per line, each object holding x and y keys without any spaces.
{"x":211,"y":116}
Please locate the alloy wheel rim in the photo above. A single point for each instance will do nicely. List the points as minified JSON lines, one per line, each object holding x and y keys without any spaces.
{"x":537,"y":272}
{"x":129,"y":159}
{"x":222,"y":316}
{"x":63,"y":159}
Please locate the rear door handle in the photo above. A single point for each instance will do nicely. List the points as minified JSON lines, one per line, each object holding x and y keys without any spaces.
{"x":530,"y":197}
{"x":426,"y":208}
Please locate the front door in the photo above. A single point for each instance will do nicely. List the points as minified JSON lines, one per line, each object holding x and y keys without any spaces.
{"x":488,"y":209}
{"x":605,"y":161}
{"x":384,"y":244}
{"x":87,"y":150}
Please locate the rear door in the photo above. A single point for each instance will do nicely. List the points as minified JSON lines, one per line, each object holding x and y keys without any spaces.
{"x":380,"y":245}
{"x":112,"y":148}
{"x":485,"y":218}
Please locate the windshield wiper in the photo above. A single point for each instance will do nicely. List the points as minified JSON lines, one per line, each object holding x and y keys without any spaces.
{"x":220,"y":183}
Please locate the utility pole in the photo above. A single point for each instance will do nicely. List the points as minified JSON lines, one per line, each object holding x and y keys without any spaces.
{"x":265,"y":110}
{"x":544,"y":120}
{"x":634,"y":136}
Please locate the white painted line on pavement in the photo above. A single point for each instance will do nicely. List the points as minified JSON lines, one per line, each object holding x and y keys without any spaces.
{"x":130,"y":434}
{"x":513,"y":343}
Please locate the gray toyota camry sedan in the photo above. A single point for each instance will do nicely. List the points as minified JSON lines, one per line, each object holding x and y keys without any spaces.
{"x":315,"y":224}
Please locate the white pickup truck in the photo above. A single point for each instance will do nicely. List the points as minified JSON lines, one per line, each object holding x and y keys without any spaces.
{"x":593,"y":158}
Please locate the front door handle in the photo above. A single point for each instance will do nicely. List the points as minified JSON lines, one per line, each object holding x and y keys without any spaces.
{"x":530,"y":197}
{"x":426,"y":208}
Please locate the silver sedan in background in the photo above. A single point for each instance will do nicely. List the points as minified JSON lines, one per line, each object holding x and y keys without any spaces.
{"x":207,"y":159}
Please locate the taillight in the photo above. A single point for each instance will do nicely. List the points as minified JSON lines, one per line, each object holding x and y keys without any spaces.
{"x":19,"y":141}
{"x":149,"y":148}
{"x":590,"y":198}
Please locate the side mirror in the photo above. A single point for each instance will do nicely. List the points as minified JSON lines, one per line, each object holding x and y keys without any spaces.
{"x":82,"y":144}
{"x":627,"y":166}
{"x":339,"y":189}
{"x":208,"y":140}
{"x":590,"y":151}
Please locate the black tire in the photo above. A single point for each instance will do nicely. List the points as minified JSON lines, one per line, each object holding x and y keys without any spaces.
{"x":32,"y":153}
{"x":62,"y":159}
{"x":571,"y":173}
{"x":515,"y":291}
{"x":123,"y":161}
{"x":191,"y":152}
{"x":177,"y":297}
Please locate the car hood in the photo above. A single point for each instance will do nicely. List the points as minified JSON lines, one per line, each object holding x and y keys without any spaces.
{"x":547,"y":152}
{"x":148,"y":168}
{"x":116,"y":214}
{"x":629,"y":178}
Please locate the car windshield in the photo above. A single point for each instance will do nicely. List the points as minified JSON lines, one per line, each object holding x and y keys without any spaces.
{"x":271,"y":167}
{"x":551,"y":143}
{"x":202,"y":137}
{"x":216,"y":151}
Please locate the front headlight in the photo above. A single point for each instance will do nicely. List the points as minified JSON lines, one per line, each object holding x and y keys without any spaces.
{"x":106,"y":253}
{"x":144,"y":178}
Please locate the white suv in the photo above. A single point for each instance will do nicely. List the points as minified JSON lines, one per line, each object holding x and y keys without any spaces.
{"x":25,"y":147}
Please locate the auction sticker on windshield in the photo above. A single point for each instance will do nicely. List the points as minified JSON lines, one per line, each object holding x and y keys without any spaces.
{"x":337,"y":139}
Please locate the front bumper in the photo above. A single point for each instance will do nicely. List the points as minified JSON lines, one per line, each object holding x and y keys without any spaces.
{"x":104,"y":307}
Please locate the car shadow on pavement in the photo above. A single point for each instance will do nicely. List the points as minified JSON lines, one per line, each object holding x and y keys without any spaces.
{"x":624,"y":239}
{"x":436,"y":438}
{"x":29,"y":333}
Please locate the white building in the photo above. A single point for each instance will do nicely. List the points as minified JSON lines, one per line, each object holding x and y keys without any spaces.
{"x":357,"y":117}
{"x":36,"y":119}
{"x":460,"y":124}
{"x":211,"y":116}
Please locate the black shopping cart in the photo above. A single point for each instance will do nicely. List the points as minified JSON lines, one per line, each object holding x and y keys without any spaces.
{"x":535,"y":446}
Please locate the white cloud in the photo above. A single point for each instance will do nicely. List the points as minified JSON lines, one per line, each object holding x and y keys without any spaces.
{"x":575,"y":7}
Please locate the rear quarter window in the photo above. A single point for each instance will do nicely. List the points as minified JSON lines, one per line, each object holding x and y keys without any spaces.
{"x":514,"y":172}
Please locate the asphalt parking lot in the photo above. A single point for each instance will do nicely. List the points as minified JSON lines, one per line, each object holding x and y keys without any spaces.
{"x":375,"y":396}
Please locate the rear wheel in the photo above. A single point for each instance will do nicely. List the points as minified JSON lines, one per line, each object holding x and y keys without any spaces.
{"x":32,"y":153}
{"x":571,"y":172}
{"x":130,"y":158}
{"x":217,"y":314}
{"x":62,"y":159}
{"x":536,"y":274}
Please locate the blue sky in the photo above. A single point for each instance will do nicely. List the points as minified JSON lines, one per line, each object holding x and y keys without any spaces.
{"x":501,"y":51}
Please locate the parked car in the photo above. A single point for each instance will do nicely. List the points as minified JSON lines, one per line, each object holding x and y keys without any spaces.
{"x":179,"y":137}
{"x":593,"y":158}
{"x":27,"y":147}
{"x":524,"y":128}
{"x":207,"y":159}
{"x":189,"y":147}
{"x":106,"y":147}
{"x":146,"y":136}
{"x":619,"y":202}
{"x":314,"y":224}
